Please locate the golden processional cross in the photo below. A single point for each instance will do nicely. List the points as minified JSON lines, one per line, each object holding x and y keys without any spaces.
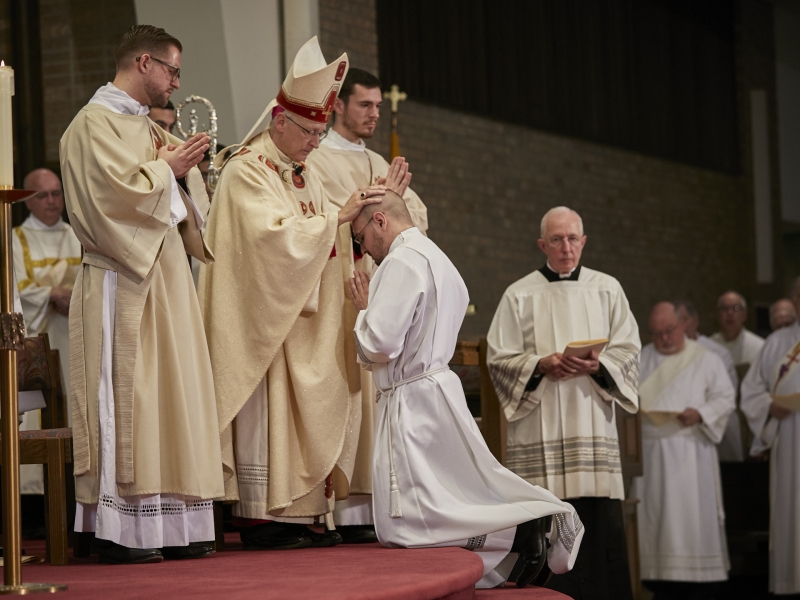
{"x":395,"y":96}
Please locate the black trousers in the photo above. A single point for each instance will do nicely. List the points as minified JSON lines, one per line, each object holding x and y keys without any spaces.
{"x":601,"y":569}
{"x":683,"y":590}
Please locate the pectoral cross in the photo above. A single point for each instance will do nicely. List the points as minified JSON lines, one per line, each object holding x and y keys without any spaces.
{"x":395,"y":96}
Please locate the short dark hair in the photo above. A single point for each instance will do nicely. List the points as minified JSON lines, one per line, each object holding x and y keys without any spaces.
{"x":143,"y":39}
{"x":356,"y":77}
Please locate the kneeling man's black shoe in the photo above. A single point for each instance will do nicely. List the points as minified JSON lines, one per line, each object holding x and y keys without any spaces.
{"x":114,"y":554}
{"x":193,"y":550}
{"x":357,"y":534}
{"x":274,"y":536}
{"x":531,"y":544}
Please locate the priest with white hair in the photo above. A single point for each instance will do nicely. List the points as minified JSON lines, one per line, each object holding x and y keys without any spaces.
{"x":435,"y":482}
{"x":285,"y":370}
{"x":771,"y":404}
{"x":686,"y":396}
{"x":562,"y":431}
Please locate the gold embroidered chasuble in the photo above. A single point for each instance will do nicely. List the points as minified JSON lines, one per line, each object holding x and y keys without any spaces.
{"x":118,"y":196}
{"x":280,"y":228}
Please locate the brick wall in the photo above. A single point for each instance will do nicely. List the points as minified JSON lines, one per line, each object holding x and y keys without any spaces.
{"x":663,"y":229}
{"x":78,"y":42}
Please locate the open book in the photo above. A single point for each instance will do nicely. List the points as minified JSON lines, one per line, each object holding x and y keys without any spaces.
{"x":582,"y":349}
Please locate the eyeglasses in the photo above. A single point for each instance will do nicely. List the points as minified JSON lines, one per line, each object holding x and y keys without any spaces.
{"x":309,"y":133}
{"x":664,"y":332}
{"x":730,"y":309}
{"x":358,"y":238}
{"x":558,"y":241}
{"x":174,"y":71}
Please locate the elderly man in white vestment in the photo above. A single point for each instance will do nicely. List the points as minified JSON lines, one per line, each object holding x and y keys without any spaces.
{"x":146,"y":444}
{"x":771,"y":403}
{"x":344,"y":163}
{"x":562,"y":432}
{"x":730,"y":448}
{"x":285,"y":370}
{"x":686,"y":396}
{"x":744,"y":347}
{"x":781,"y":314}
{"x":46,"y":259}
{"x":435,"y":482}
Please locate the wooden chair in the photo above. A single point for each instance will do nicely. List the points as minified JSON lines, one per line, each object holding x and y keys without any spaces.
{"x":51,"y":446}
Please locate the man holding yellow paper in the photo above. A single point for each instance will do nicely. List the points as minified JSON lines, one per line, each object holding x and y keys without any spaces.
{"x":771,"y":403}
{"x":562,"y":432}
{"x":686,"y":396}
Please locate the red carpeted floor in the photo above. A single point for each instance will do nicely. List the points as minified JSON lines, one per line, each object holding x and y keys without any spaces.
{"x":368,"y":572}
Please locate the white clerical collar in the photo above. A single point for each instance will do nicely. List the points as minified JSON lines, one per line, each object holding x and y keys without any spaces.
{"x":337,"y":141}
{"x":33,"y":223}
{"x":403,"y":236}
{"x":120,"y":102}
{"x":561,"y":275}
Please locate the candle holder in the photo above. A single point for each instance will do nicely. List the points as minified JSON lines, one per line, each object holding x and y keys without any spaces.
{"x":11,"y":335}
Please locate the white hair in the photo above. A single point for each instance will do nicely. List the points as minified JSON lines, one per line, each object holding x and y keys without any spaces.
{"x":742,"y":301}
{"x":557,"y":211}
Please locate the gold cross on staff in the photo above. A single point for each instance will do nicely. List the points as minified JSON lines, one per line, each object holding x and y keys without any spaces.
{"x":395,"y":96}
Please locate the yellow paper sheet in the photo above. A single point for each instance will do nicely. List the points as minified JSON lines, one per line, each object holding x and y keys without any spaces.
{"x":661,"y":417}
{"x":792,"y":401}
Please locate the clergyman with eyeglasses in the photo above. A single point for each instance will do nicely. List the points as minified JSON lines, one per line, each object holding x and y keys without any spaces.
{"x":562,"y":432}
{"x":147,"y":457}
{"x":285,"y":367}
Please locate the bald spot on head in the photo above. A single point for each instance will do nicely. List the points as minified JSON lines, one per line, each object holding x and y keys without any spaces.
{"x":663,"y":312}
{"x":391,"y":205}
{"x":41,"y":179}
{"x":731,"y":297}
{"x":560,"y":214}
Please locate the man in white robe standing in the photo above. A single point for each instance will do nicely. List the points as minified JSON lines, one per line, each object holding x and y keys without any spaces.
{"x":562,"y":431}
{"x":770,"y":394}
{"x":686,"y":397}
{"x":744,"y":347}
{"x":435,"y":482}
{"x":730,"y":447}
{"x":46,"y":259}
{"x":344,"y":163}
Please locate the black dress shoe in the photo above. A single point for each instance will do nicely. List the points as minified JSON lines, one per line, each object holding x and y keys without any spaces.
{"x":329,"y":539}
{"x":274,"y":536}
{"x":193,"y":550}
{"x":114,"y":554}
{"x":531,"y":544}
{"x":357,"y":534}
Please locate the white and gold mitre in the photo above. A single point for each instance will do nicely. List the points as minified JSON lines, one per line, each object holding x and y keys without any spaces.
{"x":312,"y":85}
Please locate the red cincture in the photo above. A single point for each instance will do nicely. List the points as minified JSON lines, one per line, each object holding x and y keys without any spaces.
{"x":333,"y":252}
{"x":311,"y":208}
{"x":157,"y":139}
{"x":303,"y":206}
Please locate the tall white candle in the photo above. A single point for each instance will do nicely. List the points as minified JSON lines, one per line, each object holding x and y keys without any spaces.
{"x":6,"y":141}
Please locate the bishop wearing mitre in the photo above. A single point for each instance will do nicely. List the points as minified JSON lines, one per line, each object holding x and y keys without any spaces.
{"x":144,"y":419}
{"x":288,"y":386}
{"x":344,"y":163}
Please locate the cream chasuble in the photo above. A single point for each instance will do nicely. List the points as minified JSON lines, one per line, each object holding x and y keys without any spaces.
{"x":44,"y":257}
{"x":562,"y":435}
{"x":287,"y":385}
{"x":450,"y":490}
{"x":144,"y":416}
{"x":775,"y":373}
{"x":344,"y":167}
{"x":680,"y":513}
